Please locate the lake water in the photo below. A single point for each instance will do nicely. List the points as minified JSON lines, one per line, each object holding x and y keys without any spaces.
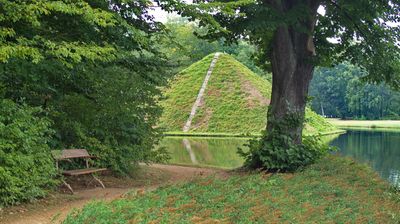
{"x":212,"y":152}
{"x":380,"y":149}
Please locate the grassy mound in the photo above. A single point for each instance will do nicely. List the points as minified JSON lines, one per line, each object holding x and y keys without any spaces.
{"x":235,"y":101}
{"x":332,"y":190}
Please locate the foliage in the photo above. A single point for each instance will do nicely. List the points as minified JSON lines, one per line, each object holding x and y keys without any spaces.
{"x":28,"y":28}
{"x":295,"y":38}
{"x":275,"y":151}
{"x":102,"y":30}
{"x":185,"y":45}
{"x":372,"y":101}
{"x":333,"y":189}
{"x":340,"y":92}
{"x":362,"y":32}
{"x":233,"y":97}
{"x":26,"y":166}
{"x":95,"y":68}
{"x":116,"y":122}
{"x":88,"y":112}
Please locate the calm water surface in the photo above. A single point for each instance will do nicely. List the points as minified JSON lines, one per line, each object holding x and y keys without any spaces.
{"x":380,"y":149}
{"x":213,"y":152}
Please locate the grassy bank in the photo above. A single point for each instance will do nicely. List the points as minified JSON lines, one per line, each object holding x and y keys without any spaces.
{"x":238,"y":135}
{"x":234,"y":104}
{"x":211,"y":134}
{"x":392,"y":124}
{"x":332,"y":190}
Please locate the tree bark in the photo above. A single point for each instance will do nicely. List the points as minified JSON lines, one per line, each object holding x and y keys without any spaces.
{"x":292,"y":70}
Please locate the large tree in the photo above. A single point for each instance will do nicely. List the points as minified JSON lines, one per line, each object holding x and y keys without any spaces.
{"x":297,"y":35}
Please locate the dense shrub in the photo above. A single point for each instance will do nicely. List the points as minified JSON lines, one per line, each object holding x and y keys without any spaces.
{"x":275,"y":154}
{"x":114,"y":122}
{"x":98,"y":84}
{"x":277,"y":151}
{"x":26,"y":167}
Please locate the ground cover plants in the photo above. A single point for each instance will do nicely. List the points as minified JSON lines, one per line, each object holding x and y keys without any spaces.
{"x":334,"y":190}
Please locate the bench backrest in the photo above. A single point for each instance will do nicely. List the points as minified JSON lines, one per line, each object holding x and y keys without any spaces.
{"x":69,"y":154}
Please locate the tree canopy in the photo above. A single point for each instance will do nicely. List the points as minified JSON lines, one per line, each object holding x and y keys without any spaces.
{"x":185,"y":45}
{"x":340,"y":92}
{"x":94,"y":68}
{"x":73,"y":32}
{"x":294,"y":36}
{"x":365,"y":33}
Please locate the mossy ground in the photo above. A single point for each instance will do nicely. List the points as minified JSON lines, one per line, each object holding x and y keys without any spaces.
{"x":235,"y":101}
{"x":334,"y":190}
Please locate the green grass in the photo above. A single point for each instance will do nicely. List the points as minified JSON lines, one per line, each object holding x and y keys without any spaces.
{"x":334,"y":190}
{"x":235,"y":101}
{"x":211,"y":134}
{"x":388,"y":124}
{"x":240,"y":135}
{"x":182,"y":93}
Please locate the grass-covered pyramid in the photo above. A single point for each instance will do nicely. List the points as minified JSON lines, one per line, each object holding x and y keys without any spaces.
{"x":235,"y":100}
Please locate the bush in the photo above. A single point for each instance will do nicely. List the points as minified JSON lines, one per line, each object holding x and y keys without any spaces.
{"x":277,"y":150}
{"x":116,"y":122}
{"x":275,"y":153}
{"x":26,"y":166}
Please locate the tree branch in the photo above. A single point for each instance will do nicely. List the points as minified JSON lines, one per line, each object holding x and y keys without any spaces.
{"x":348,"y":16}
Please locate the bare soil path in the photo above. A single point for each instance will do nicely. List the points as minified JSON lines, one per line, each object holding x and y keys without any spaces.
{"x":55,"y":207}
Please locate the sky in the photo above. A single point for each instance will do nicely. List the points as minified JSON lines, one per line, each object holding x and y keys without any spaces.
{"x":161,"y":15}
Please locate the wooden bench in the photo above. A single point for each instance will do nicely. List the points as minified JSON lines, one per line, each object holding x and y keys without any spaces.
{"x":67,"y":155}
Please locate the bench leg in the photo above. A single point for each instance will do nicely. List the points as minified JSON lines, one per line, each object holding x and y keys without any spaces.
{"x":68,"y":186}
{"x":98,"y":180}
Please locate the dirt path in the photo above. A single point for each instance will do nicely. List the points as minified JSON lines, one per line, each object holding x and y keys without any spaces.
{"x":55,"y":208}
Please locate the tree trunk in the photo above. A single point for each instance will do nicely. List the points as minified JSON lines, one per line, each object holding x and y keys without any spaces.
{"x":292,"y":70}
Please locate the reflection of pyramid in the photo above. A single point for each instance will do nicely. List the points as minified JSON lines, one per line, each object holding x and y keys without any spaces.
{"x":219,"y":94}
{"x":188,"y":148}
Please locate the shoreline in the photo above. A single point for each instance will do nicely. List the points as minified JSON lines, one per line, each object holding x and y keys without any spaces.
{"x":237,"y":135}
{"x":371,"y":124}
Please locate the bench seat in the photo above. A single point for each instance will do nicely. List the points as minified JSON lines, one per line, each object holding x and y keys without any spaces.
{"x":82,"y":171}
{"x":68,"y":154}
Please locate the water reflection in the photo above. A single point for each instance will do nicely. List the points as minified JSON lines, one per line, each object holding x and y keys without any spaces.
{"x":214,"y":152}
{"x":188,"y":148}
{"x":380,"y":149}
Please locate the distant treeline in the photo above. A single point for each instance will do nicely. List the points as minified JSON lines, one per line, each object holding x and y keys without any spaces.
{"x":340,"y":92}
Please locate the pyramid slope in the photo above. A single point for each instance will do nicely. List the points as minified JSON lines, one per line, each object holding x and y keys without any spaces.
{"x":235,"y":101}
